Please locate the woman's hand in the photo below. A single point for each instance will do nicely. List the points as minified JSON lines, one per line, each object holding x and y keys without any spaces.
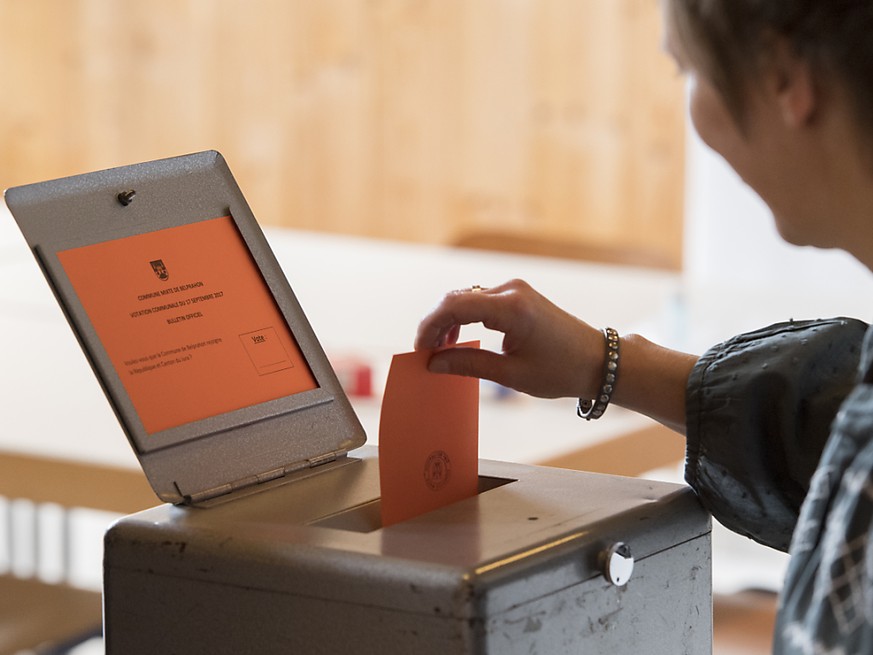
{"x":546,"y":351}
{"x":550,"y":353}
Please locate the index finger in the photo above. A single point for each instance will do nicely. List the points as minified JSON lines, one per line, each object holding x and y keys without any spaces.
{"x":458,"y":308}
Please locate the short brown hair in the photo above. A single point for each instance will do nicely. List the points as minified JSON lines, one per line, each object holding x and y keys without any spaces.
{"x":729,"y":40}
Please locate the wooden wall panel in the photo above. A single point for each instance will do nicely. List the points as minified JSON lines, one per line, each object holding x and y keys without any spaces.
{"x":550,"y":121}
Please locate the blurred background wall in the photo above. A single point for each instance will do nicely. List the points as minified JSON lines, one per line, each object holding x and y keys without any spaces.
{"x":552,"y":126}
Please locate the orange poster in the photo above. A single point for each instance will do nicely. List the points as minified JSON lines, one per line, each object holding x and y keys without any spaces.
{"x":188,"y":322}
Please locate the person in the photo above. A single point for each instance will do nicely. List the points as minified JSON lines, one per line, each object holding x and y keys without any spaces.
{"x":778,"y":422}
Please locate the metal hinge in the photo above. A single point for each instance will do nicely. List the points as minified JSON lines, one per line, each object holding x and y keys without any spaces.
{"x":326,"y":458}
{"x":250,"y":484}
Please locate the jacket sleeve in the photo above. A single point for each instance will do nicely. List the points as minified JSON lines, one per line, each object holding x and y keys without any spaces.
{"x":759,"y":409}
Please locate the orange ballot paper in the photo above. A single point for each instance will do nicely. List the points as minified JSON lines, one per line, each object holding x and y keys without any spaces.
{"x":428,"y":438}
{"x":191,"y":333}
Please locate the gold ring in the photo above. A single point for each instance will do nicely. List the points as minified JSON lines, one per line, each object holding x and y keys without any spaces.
{"x":475,"y":288}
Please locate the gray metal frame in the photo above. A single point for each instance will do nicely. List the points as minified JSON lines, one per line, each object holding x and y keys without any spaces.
{"x":220,"y":454}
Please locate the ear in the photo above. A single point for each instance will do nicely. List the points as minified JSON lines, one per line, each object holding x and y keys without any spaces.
{"x":794,"y":87}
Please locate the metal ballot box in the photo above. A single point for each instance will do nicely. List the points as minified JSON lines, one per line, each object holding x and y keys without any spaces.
{"x":271,"y":538}
{"x":541,"y":561}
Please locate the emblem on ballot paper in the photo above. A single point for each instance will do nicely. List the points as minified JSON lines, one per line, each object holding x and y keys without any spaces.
{"x":160,"y":269}
{"x":436,"y":469}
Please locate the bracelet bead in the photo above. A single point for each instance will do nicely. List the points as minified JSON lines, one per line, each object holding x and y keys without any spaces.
{"x":593,"y":408}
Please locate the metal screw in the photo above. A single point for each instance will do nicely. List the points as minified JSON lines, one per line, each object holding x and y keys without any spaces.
{"x":126,"y":197}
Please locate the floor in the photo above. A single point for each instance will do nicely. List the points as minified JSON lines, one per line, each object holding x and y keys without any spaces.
{"x":743,"y":623}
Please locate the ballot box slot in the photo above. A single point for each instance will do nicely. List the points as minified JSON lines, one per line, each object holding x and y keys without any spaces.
{"x":367,"y":517}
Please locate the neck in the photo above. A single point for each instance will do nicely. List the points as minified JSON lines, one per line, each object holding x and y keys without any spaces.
{"x":853,"y":194}
{"x":834,"y":197}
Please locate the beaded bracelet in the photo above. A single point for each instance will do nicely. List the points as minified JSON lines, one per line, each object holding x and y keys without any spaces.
{"x":593,"y":408}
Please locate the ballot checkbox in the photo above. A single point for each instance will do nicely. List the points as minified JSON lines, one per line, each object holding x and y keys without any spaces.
{"x":266,"y":351}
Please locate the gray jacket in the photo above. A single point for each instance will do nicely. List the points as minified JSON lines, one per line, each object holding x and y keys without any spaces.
{"x":780,"y":448}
